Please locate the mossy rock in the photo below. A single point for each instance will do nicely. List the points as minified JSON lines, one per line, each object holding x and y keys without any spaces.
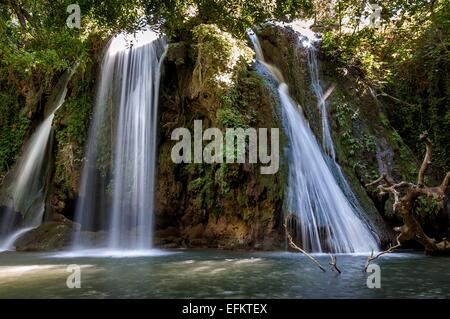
{"x":216,"y":205}
{"x":47,"y":237}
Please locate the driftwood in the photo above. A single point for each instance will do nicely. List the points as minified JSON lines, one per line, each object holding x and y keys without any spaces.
{"x":405,"y":195}
{"x":389,"y":250}
{"x":293,"y":245}
{"x":333,"y":264}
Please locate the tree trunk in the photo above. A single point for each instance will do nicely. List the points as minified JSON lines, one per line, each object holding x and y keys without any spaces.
{"x":405,"y":196}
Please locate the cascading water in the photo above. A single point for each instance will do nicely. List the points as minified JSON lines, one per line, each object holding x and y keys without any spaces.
{"x":307,"y":40}
{"x":119,"y":198}
{"x":27,"y":189}
{"x":326,"y":221}
{"x":313,"y":64}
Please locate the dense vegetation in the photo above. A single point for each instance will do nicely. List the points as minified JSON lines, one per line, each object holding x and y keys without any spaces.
{"x":37,"y":46}
{"x":406,"y":60}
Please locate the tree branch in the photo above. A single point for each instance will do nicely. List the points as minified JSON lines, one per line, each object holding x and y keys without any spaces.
{"x":390,"y":250}
{"x":405,"y":195}
{"x":378,"y":180}
{"x":22,"y":15}
{"x":293,"y":245}
{"x":427,"y":160}
{"x":395,"y":99}
{"x":446,"y":183}
{"x":333,"y":264}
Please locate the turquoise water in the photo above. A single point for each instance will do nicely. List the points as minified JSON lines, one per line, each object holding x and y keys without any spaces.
{"x":220,"y":274}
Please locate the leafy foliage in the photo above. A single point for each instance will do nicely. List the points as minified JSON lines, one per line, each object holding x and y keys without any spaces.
{"x":179,"y":16}
{"x":406,"y":60}
{"x":14,"y":124}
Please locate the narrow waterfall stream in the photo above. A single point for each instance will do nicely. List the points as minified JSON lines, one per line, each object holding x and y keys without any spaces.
{"x":28,"y":187}
{"x":327,"y":141}
{"x":326,"y":220}
{"x":117,"y":183}
{"x":308,"y":41}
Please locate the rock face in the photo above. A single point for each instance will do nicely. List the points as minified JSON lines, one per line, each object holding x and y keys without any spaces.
{"x":198,"y":205}
{"x":71,"y":125}
{"x":215,"y":205}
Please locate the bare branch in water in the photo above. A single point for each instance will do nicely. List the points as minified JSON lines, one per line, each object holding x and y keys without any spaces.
{"x":294,"y":246}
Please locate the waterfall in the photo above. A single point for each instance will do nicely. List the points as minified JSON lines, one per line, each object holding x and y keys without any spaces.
{"x":28,"y":187}
{"x":326,"y":220}
{"x":327,"y":141}
{"x":117,"y":183}
{"x":308,"y":40}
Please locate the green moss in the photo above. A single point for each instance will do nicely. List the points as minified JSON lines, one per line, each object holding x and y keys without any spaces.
{"x":229,"y":199}
{"x":71,"y":126}
{"x":104,"y":148}
{"x":235,"y":110}
{"x":384,"y":121}
{"x":196,"y":184}
{"x":14,"y":125}
{"x":224,"y":177}
{"x":242,"y":199}
{"x":231,"y":118}
{"x":405,"y":160}
{"x":355,"y":142}
{"x":74,"y":118}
